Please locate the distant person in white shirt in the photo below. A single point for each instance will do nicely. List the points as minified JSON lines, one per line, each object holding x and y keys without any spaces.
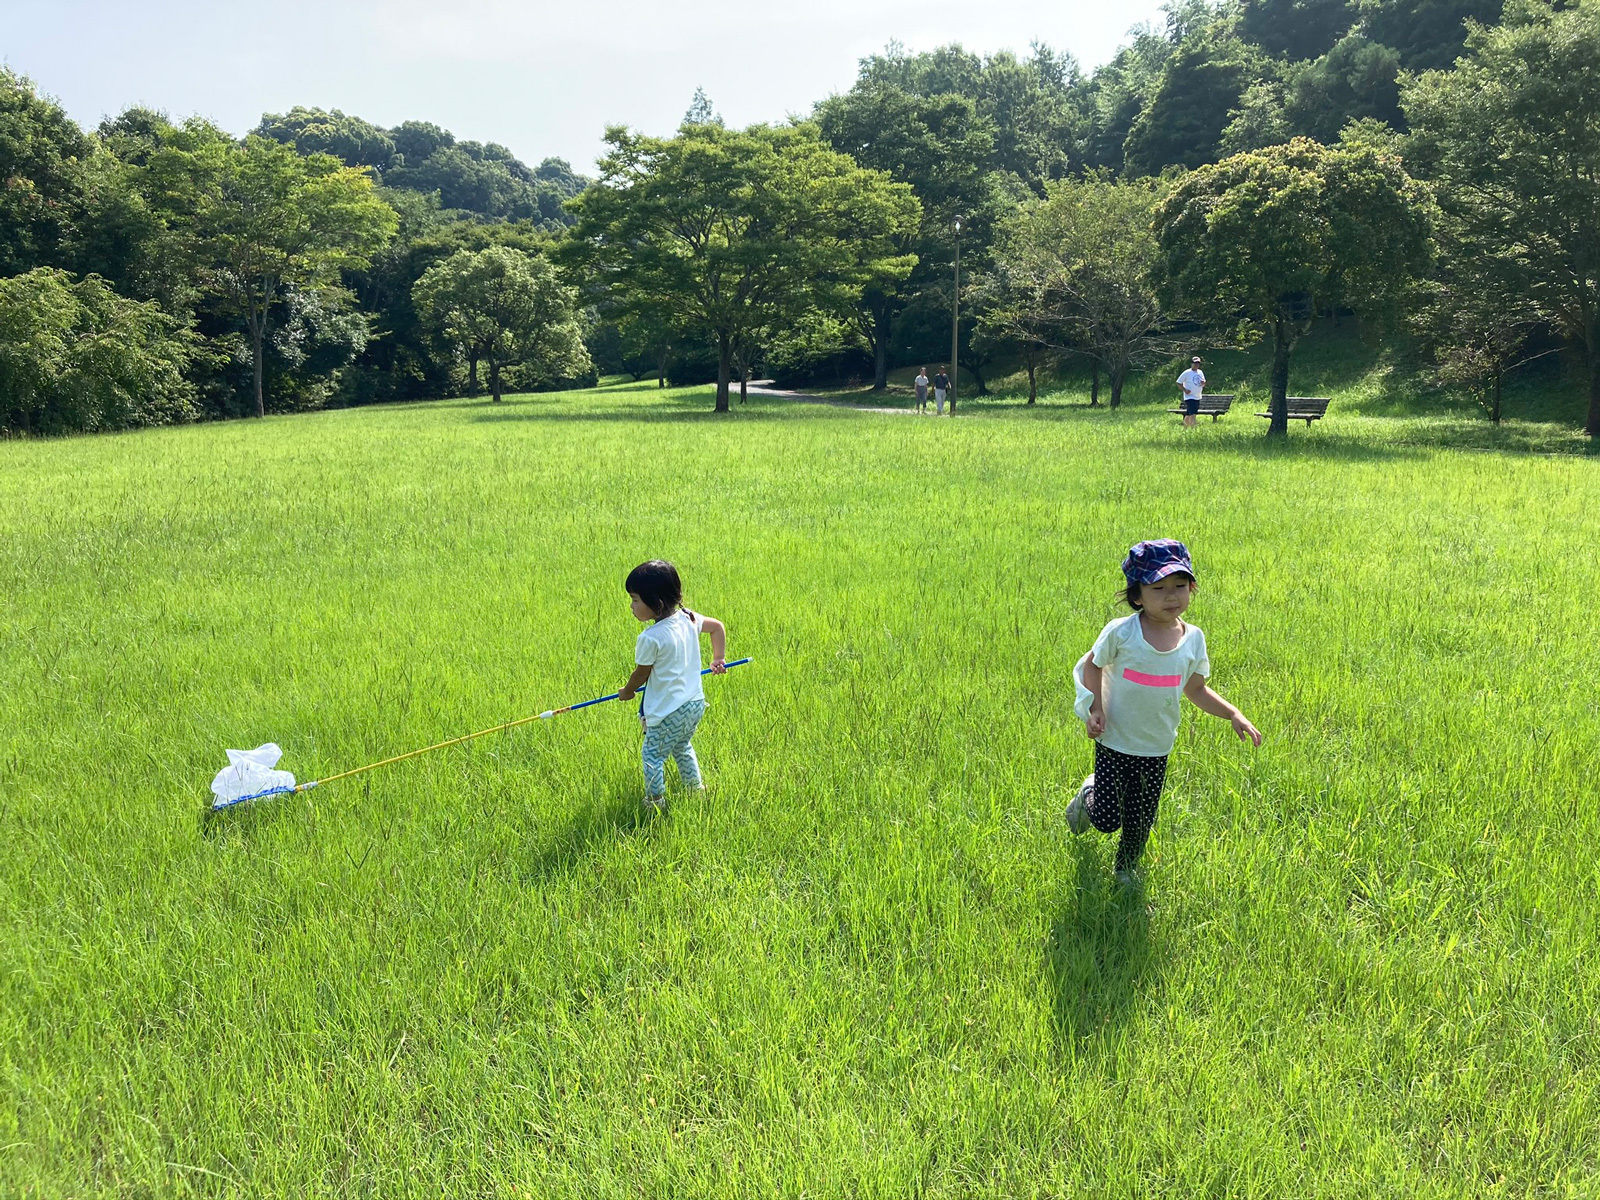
{"x":668,"y":656}
{"x":1192,"y":383}
{"x":922,"y":390}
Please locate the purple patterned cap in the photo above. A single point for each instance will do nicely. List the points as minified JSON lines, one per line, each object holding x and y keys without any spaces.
{"x":1150,"y":561}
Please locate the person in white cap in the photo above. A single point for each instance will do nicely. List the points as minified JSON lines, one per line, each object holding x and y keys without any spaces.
{"x":1192,"y":383}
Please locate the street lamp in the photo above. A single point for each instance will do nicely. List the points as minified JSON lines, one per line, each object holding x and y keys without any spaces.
{"x":955,"y":320}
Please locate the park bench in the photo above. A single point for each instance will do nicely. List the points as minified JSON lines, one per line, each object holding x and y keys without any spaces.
{"x":1210,"y":406}
{"x":1305,"y":408}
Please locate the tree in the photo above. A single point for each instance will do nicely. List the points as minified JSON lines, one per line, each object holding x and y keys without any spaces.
{"x":1513,"y":139}
{"x":75,"y":356}
{"x":505,"y":307}
{"x":271,"y":220}
{"x":732,"y":232}
{"x":938,"y":145}
{"x":42,"y":151}
{"x":1199,"y":91}
{"x":1260,"y":241}
{"x":354,"y":142}
{"x":1080,"y":263}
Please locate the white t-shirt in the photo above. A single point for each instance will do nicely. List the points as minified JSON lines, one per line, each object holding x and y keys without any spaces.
{"x":1193,"y":382}
{"x":1141,"y":686}
{"x":671,"y":649}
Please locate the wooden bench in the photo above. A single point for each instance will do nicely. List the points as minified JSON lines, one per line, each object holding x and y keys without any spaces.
{"x":1210,"y":406}
{"x":1305,"y":408}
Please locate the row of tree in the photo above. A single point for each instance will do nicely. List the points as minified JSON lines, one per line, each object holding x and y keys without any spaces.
{"x":1252,"y":164}
{"x":153,"y":271}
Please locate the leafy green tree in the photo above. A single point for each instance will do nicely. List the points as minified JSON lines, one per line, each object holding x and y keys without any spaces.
{"x":75,"y":356}
{"x":1512,"y":136}
{"x":271,"y":220}
{"x":1295,"y":29}
{"x":42,"y":152}
{"x":505,"y":307}
{"x":1200,"y":90}
{"x":354,"y":142}
{"x":940,"y":147}
{"x":1078,"y":267}
{"x":734,"y":232}
{"x":1260,"y":241}
{"x":1427,"y":34}
{"x":1358,"y":79}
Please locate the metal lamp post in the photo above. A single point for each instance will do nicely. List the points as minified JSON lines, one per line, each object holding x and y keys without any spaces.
{"x":955,"y":321}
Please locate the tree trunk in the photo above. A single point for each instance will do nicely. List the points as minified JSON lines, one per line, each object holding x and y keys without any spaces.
{"x":494,"y":378}
{"x":1282,"y":343}
{"x":258,"y":335}
{"x":724,"y":371}
{"x":880,"y":347}
{"x":1094,"y":386}
{"x":1033,"y":385}
{"x":472,"y":372}
{"x":661,"y":368}
{"x":1499,"y":376}
{"x":1119,"y":376}
{"x":744,"y":381}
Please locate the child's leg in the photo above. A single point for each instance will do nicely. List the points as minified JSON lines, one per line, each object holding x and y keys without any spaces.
{"x":656,"y":750}
{"x":1110,"y":781}
{"x":1140,"y":797}
{"x":683,"y":749}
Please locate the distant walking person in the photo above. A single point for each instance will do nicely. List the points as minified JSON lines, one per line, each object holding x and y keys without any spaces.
{"x":922,"y":389}
{"x":941,"y":385}
{"x":1192,"y":383}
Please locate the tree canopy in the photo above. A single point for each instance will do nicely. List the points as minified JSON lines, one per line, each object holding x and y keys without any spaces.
{"x":735,"y":231}
{"x":1260,"y":241}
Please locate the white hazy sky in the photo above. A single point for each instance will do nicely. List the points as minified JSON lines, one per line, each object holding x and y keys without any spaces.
{"x":541,"y":78}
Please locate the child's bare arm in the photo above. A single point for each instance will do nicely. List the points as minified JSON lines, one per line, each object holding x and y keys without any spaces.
{"x":1208,"y":701}
{"x":718,"y":633}
{"x":1093,"y":677}
{"x":635,"y":682}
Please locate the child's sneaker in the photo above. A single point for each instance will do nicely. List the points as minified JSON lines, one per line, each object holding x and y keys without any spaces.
{"x":1131,"y":878}
{"x":1078,"y":809}
{"x":656,"y":804}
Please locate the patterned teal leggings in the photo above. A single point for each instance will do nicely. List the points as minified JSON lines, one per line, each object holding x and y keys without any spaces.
{"x":669,"y":738}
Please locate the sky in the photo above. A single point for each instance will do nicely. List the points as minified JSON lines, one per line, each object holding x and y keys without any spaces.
{"x":543,"y":79}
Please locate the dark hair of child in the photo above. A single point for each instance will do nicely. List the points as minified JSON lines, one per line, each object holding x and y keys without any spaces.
{"x":656,"y":583}
{"x":1130,"y":594}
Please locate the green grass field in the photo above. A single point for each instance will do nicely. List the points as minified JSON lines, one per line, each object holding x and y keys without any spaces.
{"x":871,"y":961}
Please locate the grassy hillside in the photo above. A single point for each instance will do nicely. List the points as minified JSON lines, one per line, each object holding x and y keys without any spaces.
{"x":1543,"y":406}
{"x":871,"y":961}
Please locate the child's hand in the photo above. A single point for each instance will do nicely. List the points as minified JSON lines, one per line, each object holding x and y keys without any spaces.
{"x":1245,"y":730}
{"x":1096,"y":724}
{"x":718,"y":666}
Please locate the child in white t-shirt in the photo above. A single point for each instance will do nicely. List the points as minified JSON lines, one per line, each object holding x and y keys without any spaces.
{"x":667,"y":655}
{"x":1128,"y":687}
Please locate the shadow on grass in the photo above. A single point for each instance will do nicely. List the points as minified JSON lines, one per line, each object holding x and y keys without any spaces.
{"x":799,"y":411}
{"x":615,"y":813}
{"x":1315,"y":446}
{"x":1099,"y":958}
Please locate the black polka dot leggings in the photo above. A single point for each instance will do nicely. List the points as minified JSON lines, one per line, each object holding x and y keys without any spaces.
{"x":1127,"y":788}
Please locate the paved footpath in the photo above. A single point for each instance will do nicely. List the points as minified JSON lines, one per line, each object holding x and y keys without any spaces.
{"x":761,"y":389}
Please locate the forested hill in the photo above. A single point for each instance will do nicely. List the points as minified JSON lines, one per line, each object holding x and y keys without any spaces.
{"x":480,"y":178}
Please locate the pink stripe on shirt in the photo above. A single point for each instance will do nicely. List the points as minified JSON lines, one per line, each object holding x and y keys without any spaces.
{"x":1133,"y":676}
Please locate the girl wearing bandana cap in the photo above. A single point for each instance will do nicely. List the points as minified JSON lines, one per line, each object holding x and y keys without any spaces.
{"x":1128,"y":687}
